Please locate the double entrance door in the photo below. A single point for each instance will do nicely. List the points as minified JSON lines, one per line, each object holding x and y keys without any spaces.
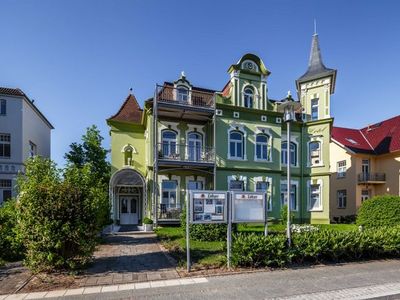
{"x":129,"y":209}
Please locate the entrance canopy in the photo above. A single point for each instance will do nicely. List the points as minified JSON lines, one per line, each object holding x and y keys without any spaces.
{"x":127,"y":177}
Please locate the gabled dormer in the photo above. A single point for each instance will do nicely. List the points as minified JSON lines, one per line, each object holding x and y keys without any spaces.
{"x":248,"y":83}
{"x":182,"y":89}
{"x":316,"y":85}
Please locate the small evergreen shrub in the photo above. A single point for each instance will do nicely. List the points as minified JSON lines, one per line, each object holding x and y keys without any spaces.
{"x":147,"y":220}
{"x":314,"y":246}
{"x":10,"y":247}
{"x":283,"y":214}
{"x":380,"y":211}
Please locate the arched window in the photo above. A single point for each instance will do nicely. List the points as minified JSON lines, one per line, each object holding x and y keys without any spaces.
{"x":128,"y":150}
{"x":169,"y":144}
{"x":293,"y":153}
{"x":262,"y":152}
{"x":195,"y":145}
{"x":182,"y":94}
{"x":314,"y":152}
{"x":236,"y":144}
{"x":248,"y":97}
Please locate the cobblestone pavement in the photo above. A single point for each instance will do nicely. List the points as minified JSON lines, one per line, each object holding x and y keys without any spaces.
{"x":127,"y":258}
{"x":12,"y":277}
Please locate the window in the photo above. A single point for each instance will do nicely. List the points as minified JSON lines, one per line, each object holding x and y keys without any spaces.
{"x":293,"y":195}
{"x":236,"y":115}
{"x":341,"y":198}
{"x":262,"y":147}
{"x":5,"y":145}
{"x":182,"y":94}
{"x":314,"y":150}
{"x":3,"y":107}
{"x":314,"y":109}
{"x":195,"y":142}
{"x":236,"y":145}
{"x":236,"y":185}
{"x":218,"y":112}
{"x":169,"y":144}
{"x":263,"y":186}
{"x":169,"y":192}
{"x":364,"y":195}
{"x":263,"y":118}
{"x":248,"y":97}
{"x":341,"y":169}
{"x":5,"y":190}
{"x":293,"y":153}
{"x":195,"y":185}
{"x":32,"y":149}
{"x":315,"y":197}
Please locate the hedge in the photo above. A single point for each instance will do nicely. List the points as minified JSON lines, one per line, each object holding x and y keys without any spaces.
{"x":380,"y":211}
{"x":255,"y":250}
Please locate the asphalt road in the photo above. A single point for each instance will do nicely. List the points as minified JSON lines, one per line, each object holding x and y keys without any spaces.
{"x":378,"y":279}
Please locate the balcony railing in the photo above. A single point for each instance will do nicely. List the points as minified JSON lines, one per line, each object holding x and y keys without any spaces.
{"x":168,"y":212}
{"x":371,"y":177}
{"x":181,"y":152}
{"x":180,"y":96}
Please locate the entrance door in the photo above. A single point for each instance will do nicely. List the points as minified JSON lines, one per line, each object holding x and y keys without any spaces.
{"x":365,"y":169}
{"x":129,"y":209}
{"x":365,"y":195}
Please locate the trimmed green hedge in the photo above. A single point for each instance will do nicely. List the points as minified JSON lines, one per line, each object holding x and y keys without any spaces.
{"x":315,"y":246}
{"x":380,"y":211}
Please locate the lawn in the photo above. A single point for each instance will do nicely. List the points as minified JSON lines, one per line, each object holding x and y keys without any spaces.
{"x":213,"y":254}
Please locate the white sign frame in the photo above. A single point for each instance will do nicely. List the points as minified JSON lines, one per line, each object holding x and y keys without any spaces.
{"x":208,"y":208}
{"x":243,"y":195}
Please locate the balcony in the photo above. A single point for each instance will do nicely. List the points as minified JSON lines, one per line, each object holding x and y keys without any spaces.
{"x":371,"y":178}
{"x":172,"y":153}
{"x":184,"y":104}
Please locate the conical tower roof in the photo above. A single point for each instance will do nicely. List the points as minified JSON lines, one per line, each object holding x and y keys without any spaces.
{"x":316,"y":68}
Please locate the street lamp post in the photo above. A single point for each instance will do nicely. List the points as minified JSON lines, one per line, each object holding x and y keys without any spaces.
{"x":289,"y":108}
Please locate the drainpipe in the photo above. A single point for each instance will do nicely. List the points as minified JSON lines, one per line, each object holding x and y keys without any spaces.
{"x":302,"y":170}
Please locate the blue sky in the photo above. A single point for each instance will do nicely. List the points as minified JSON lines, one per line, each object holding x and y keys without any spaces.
{"x":78,"y":59}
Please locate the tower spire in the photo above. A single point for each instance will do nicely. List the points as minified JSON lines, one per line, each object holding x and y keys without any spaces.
{"x":315,"y":26}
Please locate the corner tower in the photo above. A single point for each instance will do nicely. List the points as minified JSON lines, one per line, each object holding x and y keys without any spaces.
{"x":316,"y":86}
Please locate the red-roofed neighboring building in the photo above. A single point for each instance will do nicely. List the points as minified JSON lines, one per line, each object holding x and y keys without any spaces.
{"x":364,"y":162}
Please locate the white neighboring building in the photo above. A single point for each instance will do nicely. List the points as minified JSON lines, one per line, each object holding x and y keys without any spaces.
{"x":24,"y":132}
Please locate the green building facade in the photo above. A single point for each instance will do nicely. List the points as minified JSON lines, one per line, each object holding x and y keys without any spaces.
{"x":187,"y":137}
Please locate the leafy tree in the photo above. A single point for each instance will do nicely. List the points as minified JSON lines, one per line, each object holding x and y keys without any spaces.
{"x":59,"y":215}
{"x":90,"y":151}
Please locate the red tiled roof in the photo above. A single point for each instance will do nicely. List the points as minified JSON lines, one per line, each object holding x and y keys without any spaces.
{"x":10,"y":91}
{"x":379,"y":138}
{"x":130,"y":111}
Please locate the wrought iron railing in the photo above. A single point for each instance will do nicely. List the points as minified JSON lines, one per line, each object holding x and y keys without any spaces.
{"x":370,"y":177}
{"x":184,"y":152}
{"x":169,"y":212}
{"x":186,"y":97}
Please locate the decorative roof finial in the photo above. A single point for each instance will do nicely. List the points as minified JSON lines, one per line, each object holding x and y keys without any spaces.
{"x":315,"y":27}
{"x":183,"y":74}
{"x":289,"y":94}
{"x":130,"y":90}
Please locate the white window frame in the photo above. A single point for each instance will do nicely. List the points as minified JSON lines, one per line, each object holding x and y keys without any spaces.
{"x":32,"y":149}
{"x":180,"y":97}
{"x":262,"y":144}
{"x":218,"y":112}
{"x":310,"y":183}
{"x":365,"y":196}
{"x":162,"y":178}
{"x":341,"y":198}
{"x":240,"y":128}
{"x":5,"y":139}
{"x":202,"y":148}
{"x":341,"y":169}
{"x":236,"y":115}
{"x":237,"y":178}
{"x":285,"y":155}
{"x":313,"y":106}
{"x":267,"y":180}
{"x":248,"y":94}
{"x":292,"y":183}
{"x":321,"y":144}
{"x":192,"y":179}
{"x":168,"y":142}
{"x":264,"y":119}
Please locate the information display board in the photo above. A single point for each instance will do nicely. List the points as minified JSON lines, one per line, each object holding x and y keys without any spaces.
{"x":208,"y":207}
{"x":248,"y":207}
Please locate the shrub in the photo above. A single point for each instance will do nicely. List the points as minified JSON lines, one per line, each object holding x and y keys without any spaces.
{"x":10,"y":248}
{"x":316,"y":246}
{"x":283,"y":214}
{"x":147,"y":220}
{"x":380,"y":211}
{"x":204,"y":232}
{"x":59,"y":215}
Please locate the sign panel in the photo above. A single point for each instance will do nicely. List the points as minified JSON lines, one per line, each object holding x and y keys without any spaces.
{"x":248,"y":207}
{"x":207,"y":207}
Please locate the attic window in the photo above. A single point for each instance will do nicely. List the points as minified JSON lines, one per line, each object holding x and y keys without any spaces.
{"x":352,"y":141}
{"x":249,"y":65}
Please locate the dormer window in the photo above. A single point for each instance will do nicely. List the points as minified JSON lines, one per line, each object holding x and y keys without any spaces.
{"x":248,"y":97}
{"x":182,"y":94}
{"x":250,"y":65}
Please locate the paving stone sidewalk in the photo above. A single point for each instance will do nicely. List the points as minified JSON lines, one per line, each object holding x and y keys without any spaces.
{"x":127,"y":258}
